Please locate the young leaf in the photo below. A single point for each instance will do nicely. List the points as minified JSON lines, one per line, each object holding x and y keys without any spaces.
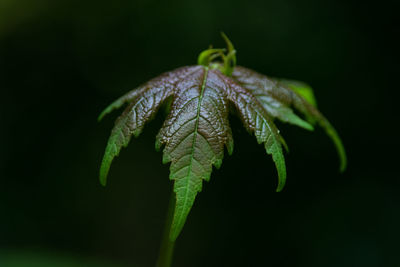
{"x":256,"y":119}
{"x":144,"y":102}
{"x":275,"y":94}
{"x":197,"y":128}
{"x":302,"y":89}
{"x":194,"y":135}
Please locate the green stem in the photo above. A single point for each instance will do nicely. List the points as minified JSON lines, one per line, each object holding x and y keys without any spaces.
{"x":167,"y":246}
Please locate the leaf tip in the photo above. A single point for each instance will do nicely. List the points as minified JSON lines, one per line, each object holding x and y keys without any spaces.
{"x":104,"y":169}
{"x":331,"y":132}
{"x":158,"y":143}
{"x":307,"y":126}
{"x":103,"y":182}
{"x":218,"y":163}
{"x":166,"y":158}
{"x":278,"y":189}
{"x":101,"y":116}
{"x":281,"y":182}
{"x":284,"y":144}
{"x":103,"y":176}
{"x":230,"y":149}
{"x":105,"y":112}
{"x":176,"y":228}
{"x":342,"y":156}
{"x":343,"y":162}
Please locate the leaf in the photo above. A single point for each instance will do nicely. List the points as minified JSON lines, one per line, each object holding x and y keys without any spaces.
{"x":256,"y":119}
{"x":196,"y":128}
{"x":194,"y":135}
{"x":195,"y":131}
{"x":275,"y":94}
{"x":302,"y":89}
{"x":261,"y":87}
{"x":145,"y":101}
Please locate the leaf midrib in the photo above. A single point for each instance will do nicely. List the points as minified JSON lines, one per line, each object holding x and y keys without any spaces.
{"x":258,"y":104}
{"x":194,"y":137}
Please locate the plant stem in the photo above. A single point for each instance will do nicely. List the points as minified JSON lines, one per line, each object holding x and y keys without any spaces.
{"x":167,"y":246}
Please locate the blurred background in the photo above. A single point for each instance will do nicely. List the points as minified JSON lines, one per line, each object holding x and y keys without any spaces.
{"x":62,"y":62}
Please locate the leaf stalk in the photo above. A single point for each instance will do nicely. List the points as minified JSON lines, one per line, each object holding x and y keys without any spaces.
{"x":167,"y":246}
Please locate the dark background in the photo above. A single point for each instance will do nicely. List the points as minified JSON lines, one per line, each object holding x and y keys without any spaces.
{"x":62,"y":62}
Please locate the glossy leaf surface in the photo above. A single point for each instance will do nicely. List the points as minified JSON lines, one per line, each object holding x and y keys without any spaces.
{"x":278,"y":98}
{"x":196,"y":129}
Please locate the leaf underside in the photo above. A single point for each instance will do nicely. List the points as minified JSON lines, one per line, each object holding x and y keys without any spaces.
{"x":197,"y":129}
